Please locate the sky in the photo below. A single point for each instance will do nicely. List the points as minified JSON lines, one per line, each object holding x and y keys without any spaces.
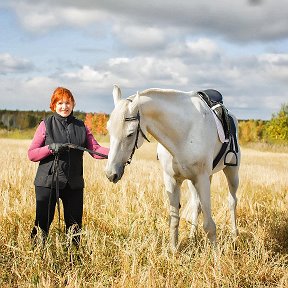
{"x":239,"y":48}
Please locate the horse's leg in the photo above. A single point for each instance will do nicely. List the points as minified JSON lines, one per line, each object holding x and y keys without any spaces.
{"x":193,"y":208}
{"x":231,"y":173}
{"x":173,"y":191}
{"x":202,"y":185}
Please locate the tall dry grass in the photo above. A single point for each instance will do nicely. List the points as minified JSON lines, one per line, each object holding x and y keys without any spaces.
{"x":125,"y":234}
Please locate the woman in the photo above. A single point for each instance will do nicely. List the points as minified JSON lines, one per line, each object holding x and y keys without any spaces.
{"x":55,"y":158}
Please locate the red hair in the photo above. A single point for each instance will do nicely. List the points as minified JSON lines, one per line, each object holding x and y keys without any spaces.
{"x":61,"y":93}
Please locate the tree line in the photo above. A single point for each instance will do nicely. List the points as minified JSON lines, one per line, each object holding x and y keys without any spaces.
{"x":270,"y":131}
{"x":24,"y":120}
{"x":273,"y":131}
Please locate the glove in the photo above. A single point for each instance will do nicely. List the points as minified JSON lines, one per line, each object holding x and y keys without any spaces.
{"x":57,"y":147}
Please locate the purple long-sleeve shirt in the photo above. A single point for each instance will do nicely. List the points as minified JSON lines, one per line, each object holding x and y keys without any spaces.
{"x":38,"y":151}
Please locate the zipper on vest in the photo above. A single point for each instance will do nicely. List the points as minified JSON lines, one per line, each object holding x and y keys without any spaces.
{"x":69,"y":141}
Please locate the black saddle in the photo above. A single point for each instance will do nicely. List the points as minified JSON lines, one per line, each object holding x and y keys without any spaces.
{"x":213,"y":95}
{"x":214,"y":100}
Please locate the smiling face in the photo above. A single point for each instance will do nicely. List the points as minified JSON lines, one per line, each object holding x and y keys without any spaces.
{"x":64,"y":107}
{"x":62,"y":102}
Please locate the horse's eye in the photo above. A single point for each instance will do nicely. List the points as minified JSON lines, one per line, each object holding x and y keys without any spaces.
{"x":130,"y":135}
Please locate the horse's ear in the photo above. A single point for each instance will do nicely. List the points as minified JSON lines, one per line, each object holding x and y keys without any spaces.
{"x":134,"y":104}
{"x":116,"y":94}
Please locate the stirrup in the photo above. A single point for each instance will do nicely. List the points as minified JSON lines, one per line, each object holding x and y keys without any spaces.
{"x":236,"y":158}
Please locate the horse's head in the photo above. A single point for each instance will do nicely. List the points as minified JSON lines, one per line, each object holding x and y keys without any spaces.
{"x":125,"y":134}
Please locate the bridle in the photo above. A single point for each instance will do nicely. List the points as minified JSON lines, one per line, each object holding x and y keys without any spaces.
{"x":139,"y":130}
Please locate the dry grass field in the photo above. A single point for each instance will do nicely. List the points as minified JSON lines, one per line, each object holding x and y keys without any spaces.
{"x":125,"y":234}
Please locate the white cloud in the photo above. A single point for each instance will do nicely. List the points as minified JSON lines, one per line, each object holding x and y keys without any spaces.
{"x":13,"y":64}
{"x":273,"y":58}
{"x":117,"y":61}
{"x":274,"y":68}
{"x":202,"y":46}
{"x":26,"y":94}
{"x":41,"y":16}
{"x":157,"y":71}
{"x":140,"y":37}
{"x":238,"y":22}
{"x":39,"y":83}
{"x":196,"y":51}
{"x":87,"y":74}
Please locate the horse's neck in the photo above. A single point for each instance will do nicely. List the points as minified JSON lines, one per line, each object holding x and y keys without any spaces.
{"x":170,"y":119}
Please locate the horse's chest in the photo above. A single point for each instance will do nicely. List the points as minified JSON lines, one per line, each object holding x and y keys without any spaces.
{"x":190,"y":169}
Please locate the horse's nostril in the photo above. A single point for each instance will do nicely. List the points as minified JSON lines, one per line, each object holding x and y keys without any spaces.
{"x":114,"y":178}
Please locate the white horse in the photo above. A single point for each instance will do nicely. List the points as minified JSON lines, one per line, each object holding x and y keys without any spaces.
{"x":185,"y":127}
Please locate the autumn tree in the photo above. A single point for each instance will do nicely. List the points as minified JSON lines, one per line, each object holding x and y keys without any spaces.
{"x":88,"y":120}
{"x":251,"y":130}
{"x":97,"y":123}
{"x":101,"y":123}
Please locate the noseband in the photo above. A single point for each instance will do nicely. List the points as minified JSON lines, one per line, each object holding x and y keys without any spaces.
{"x":139,"y":130}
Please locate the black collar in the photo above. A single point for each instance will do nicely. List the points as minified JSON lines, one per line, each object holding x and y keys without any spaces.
{"x":62,"y":119}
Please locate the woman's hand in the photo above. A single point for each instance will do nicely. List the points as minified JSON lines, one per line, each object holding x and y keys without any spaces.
{"x":58,"y":147}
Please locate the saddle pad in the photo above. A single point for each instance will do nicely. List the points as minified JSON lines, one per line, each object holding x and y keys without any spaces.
{"x":220,"y":129}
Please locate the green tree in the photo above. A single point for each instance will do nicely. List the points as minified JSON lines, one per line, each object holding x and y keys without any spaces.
{"x":277,"y":128}
{"x":32,"y":120}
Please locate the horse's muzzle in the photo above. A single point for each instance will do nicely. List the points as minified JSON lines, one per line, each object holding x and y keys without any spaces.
{"x":114,"y":175}
{"x":113,"y":178}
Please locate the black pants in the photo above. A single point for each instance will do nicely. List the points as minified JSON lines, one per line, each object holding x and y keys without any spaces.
{"x":72,"y":200}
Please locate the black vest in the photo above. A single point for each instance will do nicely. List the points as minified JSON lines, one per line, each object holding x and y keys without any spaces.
{"x":63,"y":130}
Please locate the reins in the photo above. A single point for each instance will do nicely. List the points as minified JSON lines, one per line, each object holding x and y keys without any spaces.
{"x":139,"y":130}
{"x":77,"y":147}
{"x":55,"y":175}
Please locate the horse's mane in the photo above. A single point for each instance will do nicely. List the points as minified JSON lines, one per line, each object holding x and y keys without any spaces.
{"x":118,"y":115}
{"x":159,"y":91}
{"x":168,"y":92}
